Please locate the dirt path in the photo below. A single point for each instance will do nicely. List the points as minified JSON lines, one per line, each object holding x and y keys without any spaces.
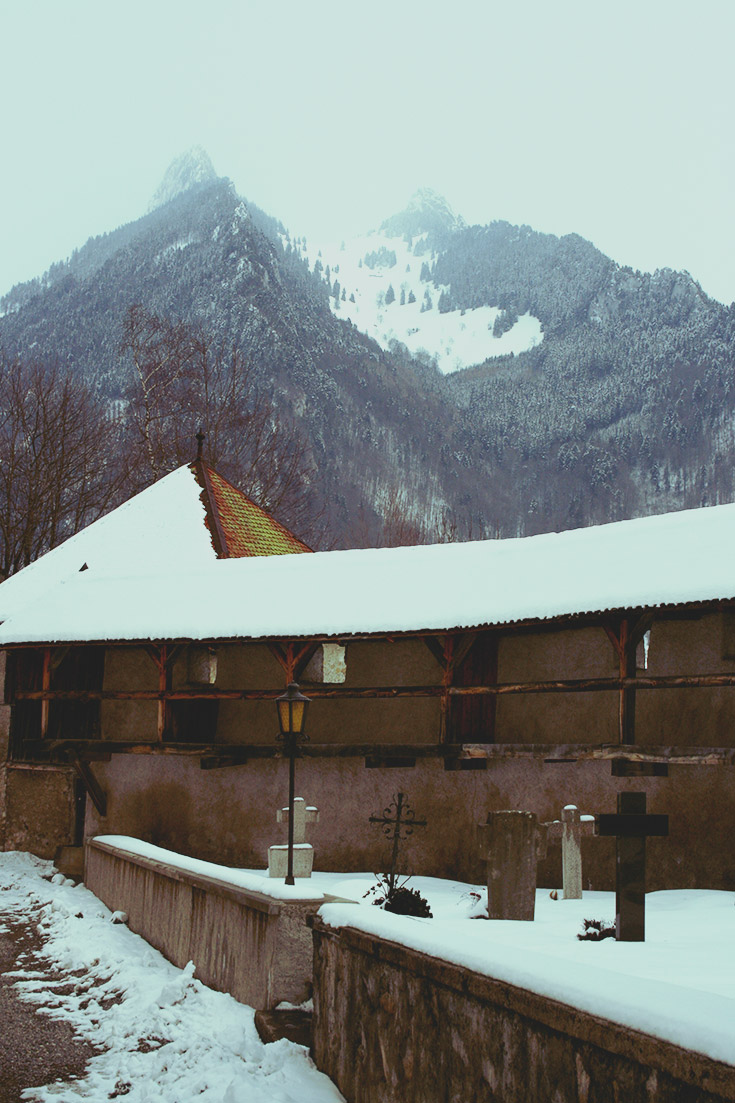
{"x":34,"y":1049}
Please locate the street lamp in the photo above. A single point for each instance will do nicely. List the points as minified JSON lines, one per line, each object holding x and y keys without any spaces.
{"x":292,"y":707}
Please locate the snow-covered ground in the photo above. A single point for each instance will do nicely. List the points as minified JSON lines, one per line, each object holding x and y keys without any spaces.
{"x":170,"y":1039}
{"x":381,"y":291}
{"x":679,"y":985}
{"x":165,"y":1037}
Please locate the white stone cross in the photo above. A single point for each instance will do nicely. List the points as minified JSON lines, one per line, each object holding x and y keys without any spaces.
{"x":302,"y":814}
{"x":303,"y":854}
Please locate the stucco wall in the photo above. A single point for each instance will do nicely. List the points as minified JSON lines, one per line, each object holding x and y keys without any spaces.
{"x":252,"y":666}
{"x":4,"y":737}
{"x":698,"y":717}
{"x":229,"y":815}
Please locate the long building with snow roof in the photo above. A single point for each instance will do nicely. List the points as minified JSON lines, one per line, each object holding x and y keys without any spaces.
{"x":143,"y":661}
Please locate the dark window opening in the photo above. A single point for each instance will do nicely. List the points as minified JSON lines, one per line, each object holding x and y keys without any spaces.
{"x":471,"y":719}
{"x":24,"y":672}
{"x":78,"y":668}
{"x":193,"y":721}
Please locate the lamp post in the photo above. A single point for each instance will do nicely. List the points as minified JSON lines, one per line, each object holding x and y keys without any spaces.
{"x":292,"y":706}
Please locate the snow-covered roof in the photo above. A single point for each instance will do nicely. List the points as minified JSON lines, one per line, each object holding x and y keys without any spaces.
{"x":666,"y":560}
{"x":165,"y":520}
{"x":183,"y":522}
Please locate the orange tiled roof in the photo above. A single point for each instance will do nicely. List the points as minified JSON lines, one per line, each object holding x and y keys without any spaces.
{"x":238,"y":526}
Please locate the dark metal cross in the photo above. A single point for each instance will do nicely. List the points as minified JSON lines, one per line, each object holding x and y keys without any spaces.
{"x":631,"y":826}
{"x":404,"y":820}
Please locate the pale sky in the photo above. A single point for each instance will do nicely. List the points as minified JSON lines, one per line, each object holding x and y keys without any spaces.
{"x":611,"y":120}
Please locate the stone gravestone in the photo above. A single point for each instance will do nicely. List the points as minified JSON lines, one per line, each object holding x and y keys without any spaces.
{"x":631,"y":826}
{"x":303,"y":852}
{"x":510,"y":843}
{"x":570,"y":830}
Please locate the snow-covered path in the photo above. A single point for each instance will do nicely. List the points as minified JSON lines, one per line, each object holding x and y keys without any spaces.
{"x":164,"y":1035}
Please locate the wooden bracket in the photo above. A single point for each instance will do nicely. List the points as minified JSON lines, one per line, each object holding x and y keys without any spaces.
{"x":93,"y":787}
{"x":292,"y":658}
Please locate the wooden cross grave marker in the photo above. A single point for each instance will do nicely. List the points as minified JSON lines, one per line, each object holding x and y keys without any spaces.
{"x":631,"y":826}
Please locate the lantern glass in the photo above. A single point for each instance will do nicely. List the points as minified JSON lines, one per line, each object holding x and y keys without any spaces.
{"x":291,"y":707}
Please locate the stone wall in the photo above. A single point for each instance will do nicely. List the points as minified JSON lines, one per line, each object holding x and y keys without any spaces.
{"x":392,"y":1025}
{"x":39,"y":808}
{"x":242,"y":942}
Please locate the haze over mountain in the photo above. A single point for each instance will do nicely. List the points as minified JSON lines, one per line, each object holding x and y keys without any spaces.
{"x":479,"y":380}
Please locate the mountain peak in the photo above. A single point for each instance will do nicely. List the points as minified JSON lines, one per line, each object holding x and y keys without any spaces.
{"x":426,"y":211}
{"x":185,"y":171}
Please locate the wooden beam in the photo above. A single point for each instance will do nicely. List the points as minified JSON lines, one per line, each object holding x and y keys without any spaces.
{"x":303,"y":658}
{"x":568,"y":685}
{"x":93,"y":787}
{"x":93,"y":750}
{"x":239,"y":752}
{"x":579,"y":752}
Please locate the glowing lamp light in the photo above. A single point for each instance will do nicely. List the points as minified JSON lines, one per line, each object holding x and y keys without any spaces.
{"x":292,"y":707}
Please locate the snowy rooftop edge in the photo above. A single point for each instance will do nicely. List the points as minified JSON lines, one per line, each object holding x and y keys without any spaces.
{"x":670,"y":559}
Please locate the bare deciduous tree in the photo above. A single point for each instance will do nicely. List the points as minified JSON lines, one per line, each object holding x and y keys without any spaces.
{"x":56,"y":446}
{"x":182,"y":379}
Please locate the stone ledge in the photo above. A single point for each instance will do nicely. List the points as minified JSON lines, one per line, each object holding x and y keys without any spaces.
{"x":213,"y":885}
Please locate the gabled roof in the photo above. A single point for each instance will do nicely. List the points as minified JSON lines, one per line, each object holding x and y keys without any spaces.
{"x":172,"y":526}
{"x":238,"y":526}
{"x":672,"y":559}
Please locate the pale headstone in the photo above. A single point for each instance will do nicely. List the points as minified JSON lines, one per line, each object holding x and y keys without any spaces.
{"x":509,"y":843}
{"x":569,"y":830}
{"x":571,"y":853}
{"x":303,"y":852}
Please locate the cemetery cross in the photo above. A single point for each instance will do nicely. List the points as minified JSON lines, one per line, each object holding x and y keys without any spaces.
{"x":403,"y":820}
{"x":631,"y":826}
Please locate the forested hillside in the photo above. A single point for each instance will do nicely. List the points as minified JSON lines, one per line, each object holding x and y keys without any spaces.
{"x":625,"y":406}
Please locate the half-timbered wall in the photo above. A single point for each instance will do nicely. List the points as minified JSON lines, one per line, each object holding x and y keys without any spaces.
{"x":226,"y":811}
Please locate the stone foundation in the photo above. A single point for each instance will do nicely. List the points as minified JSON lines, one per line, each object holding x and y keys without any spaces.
{"x":393,"y":1025}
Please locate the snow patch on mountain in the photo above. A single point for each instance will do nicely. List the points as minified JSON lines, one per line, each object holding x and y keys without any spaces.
{"x":186,"y":171}
{"x":382,"y":284}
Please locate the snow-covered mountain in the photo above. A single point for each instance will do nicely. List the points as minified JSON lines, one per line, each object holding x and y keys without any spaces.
{"x":383,"y":283}
{"x":571,"y":390}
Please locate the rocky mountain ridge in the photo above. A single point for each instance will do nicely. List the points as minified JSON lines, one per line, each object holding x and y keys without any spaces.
{"x":624,"y":403}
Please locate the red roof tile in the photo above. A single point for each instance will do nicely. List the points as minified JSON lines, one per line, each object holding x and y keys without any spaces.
{"x":238,"y":526}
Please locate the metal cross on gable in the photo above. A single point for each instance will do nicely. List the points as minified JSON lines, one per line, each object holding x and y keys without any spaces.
{"x":397,"y":817}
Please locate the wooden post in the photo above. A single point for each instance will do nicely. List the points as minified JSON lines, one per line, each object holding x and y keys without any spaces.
{"x":164,"y":687}
{"x":45,"y":686}
{"x":625,"y":640}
